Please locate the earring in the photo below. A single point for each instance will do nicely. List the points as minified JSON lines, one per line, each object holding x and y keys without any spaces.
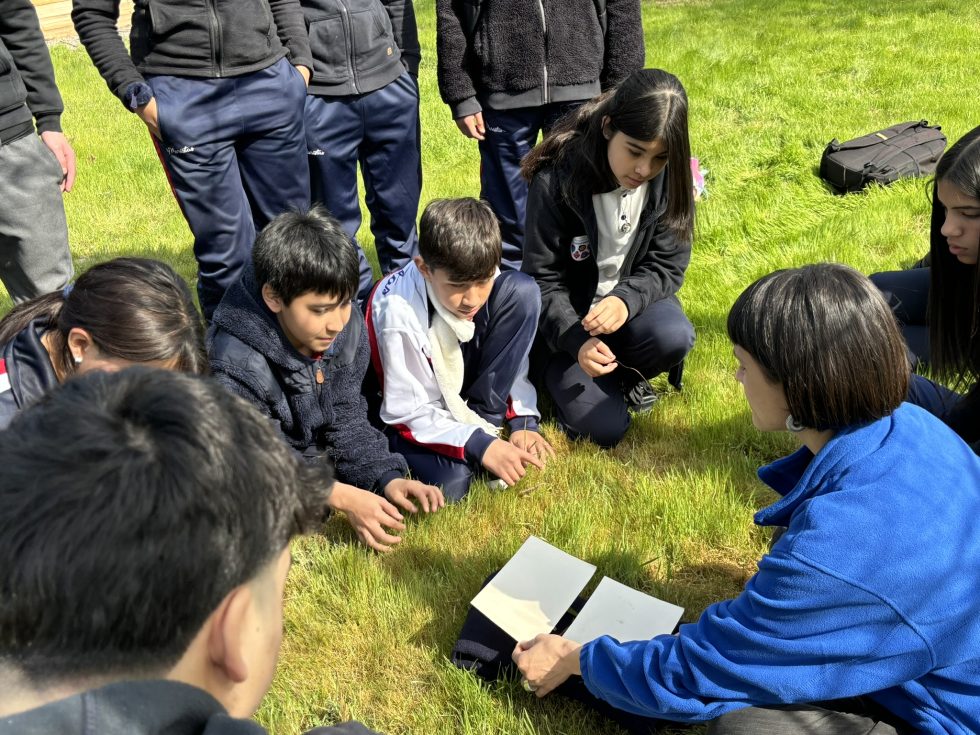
{"x":793,"y":425}
{"x":78,"y":359}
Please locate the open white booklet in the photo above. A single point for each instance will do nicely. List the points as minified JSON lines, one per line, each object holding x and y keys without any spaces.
{"x":539,"y":583}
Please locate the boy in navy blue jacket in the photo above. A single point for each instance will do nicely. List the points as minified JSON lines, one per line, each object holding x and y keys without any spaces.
{"x":363,"y":108}
{"x":283,"y":339}
{"x":221,"y":87}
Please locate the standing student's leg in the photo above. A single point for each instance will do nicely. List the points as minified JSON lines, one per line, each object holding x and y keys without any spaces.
{"x":334,"y":132}
{"x":452,"y":475}
{"x":510,"y":135}
{"x":821,"y":718}
{"x":391,"y":165}
{"x":554,"y":112}
{"x":653,"y":341}
{"x":199,"y":128}
{"x":586,"y":408}
{"x":907,"y":293}
{"x":272,"y":145}
{"x":505,"y":329}
{"x":34,"y":255}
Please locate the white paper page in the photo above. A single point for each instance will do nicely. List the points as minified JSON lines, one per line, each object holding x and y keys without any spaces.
{"x":533,"y":590}
{"x":624,"y":613}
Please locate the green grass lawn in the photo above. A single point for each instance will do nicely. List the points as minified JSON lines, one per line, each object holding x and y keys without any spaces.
{"x":670,"y":510}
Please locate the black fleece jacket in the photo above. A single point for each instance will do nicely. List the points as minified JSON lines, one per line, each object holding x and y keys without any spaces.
{"x":191,"y":38}
{"x":526,"y":53}
{"x":653,"y":269}
{"x":144,"y":708}
{"x":359,"y":46}
{"x":27,"y":87}
{"x":251,"y":356}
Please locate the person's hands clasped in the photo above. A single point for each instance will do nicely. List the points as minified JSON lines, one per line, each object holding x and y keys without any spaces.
{"x":606,"y":317}
{"x":533,"y":442}
{"x":58,"y":144}
{"x":472,"y":126}
{"x":428,"y":496}
{"x":507,"y":461}
{"x":595,"y":358}
{"x":546,"y":662}
{"x":369,"y":514}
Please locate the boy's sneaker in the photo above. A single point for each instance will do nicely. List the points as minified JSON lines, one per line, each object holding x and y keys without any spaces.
{"x":641,"y":397}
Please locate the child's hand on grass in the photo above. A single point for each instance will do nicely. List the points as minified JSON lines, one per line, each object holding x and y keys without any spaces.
{"x":595,"y":358}
{"x":369,"y":514}
{"x":429,"y":496}
{"x":533,"y":442}
{"x":606,"y":317}
{"x":507,"y":461}
{"x":546,"y":662}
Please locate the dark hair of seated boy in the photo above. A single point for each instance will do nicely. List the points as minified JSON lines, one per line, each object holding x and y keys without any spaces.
{"x":146,"y":523}
{"x":283,"y":339}
{"x":450,"y":336}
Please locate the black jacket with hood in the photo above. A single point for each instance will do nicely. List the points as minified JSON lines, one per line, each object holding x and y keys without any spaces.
{"x":527,"y":53}
{"x":145,"y":707}
{"x":653,"y":269}
{"x":252,"y":357}
{"x":191,"y":38}
{"x":27,"y":88}
{"x":359,"y":46}
{"x":26,"y":372}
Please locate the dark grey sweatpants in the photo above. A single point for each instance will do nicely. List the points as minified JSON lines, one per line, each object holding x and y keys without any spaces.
{"x":34,"y":255}
{"x":841,"y":717}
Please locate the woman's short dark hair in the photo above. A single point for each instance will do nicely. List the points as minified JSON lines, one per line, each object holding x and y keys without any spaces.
{"x":131,"y":504}
{"x":954,"y":293}
{"x":135,"y":309}
{"x":650,"y":104}
{"x":306,"y":252}
{"x":461,"y":237}
{"x":825,"y":333}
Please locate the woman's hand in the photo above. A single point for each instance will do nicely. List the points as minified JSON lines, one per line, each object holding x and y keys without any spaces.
{"x":547,"y":661}
{"x":595,"y":358}
{"x":606,"y":317}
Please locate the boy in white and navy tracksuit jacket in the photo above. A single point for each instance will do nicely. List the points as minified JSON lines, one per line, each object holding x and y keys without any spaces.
{"x":441,"y":450}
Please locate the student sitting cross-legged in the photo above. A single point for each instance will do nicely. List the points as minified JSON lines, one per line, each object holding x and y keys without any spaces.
{"x":283,"y":338}
{"x":146,"y":523}
{"x":450,"y":337}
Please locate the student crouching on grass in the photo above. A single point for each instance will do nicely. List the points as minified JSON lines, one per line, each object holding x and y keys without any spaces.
{"x":865,"y":614}
{"x":147,"y":518}
{"x":119,"y":313}
{"x":450,"y":337}
{"x":283,"y":339}
{"x":939,"y":305}
{"x":610,"y":218}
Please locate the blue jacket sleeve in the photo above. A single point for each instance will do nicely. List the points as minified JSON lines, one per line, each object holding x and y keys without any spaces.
{"x":795,"y":634}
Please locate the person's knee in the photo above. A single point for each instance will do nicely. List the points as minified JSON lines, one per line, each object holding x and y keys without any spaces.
{"x":515,"y":287}
{"x":455,"y":482}
{"x":605,"y":428}
{"x":739,"y":722}
{"x":663,"y":345}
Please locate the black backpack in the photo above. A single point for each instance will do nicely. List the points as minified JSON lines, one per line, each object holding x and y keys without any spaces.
{"x":908,"y":149}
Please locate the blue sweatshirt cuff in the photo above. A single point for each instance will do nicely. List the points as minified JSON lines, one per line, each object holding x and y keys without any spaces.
{"x":476,"y":446}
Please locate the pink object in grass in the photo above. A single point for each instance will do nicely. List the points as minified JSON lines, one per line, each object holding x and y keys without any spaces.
{"x":697,"y":174}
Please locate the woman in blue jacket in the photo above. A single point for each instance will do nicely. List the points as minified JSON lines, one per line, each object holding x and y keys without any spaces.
{"x":119,"y":313}
{"x":871,"y":595}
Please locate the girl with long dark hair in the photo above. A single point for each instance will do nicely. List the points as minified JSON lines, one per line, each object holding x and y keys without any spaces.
{"x":119,"y":313}
{"x":610,"y":220}
{"x":938,"y":305}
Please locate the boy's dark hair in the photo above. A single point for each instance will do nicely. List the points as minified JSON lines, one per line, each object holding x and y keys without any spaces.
{"x":461,"y":237}
{"x":825,"y":333}
{"x":135,"y":309}
{"x":299,"y":253}
{"x":131,"y":503}
{"x":650,"y":104}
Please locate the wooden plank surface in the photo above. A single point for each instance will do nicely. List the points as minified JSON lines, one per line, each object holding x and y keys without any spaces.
{"x":55,"y":17}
